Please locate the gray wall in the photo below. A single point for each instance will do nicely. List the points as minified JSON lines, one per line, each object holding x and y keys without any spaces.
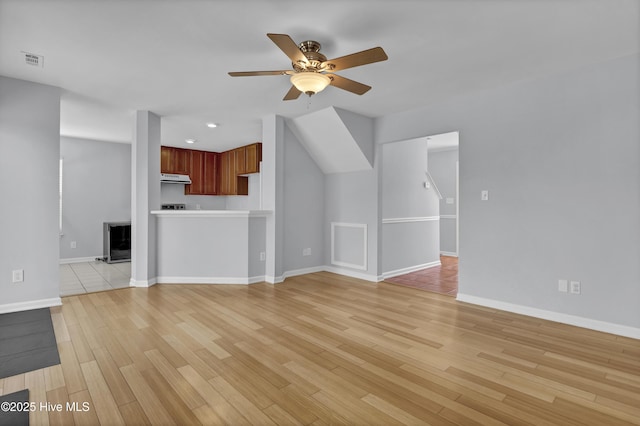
{"x":555,"y":153}
{"x":411,"y":239}
{"x":29,"y":158}
{"x":442,"y":167}
{"x":303,"y":198}
{"x":174,"y":194}
{"x":96,"y":189}
{"x":353,"y":198}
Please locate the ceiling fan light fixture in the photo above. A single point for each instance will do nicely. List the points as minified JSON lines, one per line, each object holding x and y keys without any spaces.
{"x":310,"y":82}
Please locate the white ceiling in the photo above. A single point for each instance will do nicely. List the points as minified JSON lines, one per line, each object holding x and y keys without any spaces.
{"x":172,"y":57}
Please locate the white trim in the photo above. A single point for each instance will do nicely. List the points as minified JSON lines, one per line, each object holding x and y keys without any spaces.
{"x":411,"y":219}
{"x":409,"y":269}
{"x":79,"y":259}
{"x":273,"y":280}
{"x":448,"y":253}
{"x":210,"y":280}
{"x":433,"y":183}
{"x":293,"y":273}
{"x":210,"y":213}
{"x":458,"y":202}
{"x":362,"y":226}
{"x":303,"y":271}
{"x":142,"y":283}
{"x":448,"y":216}
{"x":353,"y":274}
{"x":32,"y":304}
{"x":607,"y":327}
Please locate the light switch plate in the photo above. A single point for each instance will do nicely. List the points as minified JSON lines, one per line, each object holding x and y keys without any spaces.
{"x":575,"y":287}
{"x":563,"y":286}
{"x":18,"y":275}
{"x":484,"y":195}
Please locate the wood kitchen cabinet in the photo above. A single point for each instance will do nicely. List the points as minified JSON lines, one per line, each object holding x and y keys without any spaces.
{"x":213,"y":173}
{"x":174,"y":160}
{"x":196,"y":173}
{"x":211,"y":166}
{"x":241,"y":163}
{"x":253,"y":157}
{"x":203,"y":171}
{"x":248,"y":159}
{"x":230,"y":182}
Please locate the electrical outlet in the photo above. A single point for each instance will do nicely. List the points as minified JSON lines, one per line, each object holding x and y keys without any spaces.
{"x":18,"y":275}
{"x":73,"y":244}
{"x":563,"y":285}
{"x":263,"y":256}
{"x":306,"y":252}
{"x":575,"y":287}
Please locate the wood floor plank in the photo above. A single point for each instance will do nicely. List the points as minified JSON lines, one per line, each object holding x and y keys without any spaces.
{"x":104,"y":405}
{"x":151,"y":405}
{"x":221,"y":407}
{"x":240,"y":402}
{"x":73,"y":378}
{"x":184,"y":390}
{"x":323,"y":349}
{"x":83,"y":409}
{"x":58,"y":397}
{"x":35,"y":382}
{"x":134,"y":414}
{"x":110,"y":372}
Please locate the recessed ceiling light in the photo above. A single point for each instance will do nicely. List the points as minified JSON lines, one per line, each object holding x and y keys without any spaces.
{"x":212,"y":125}
{"x":190,"y":140}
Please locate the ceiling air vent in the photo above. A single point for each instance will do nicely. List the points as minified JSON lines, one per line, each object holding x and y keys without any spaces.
{"x":33,"y":59}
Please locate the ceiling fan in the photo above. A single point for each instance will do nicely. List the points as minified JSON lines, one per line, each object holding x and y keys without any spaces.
{"x":312,"y":72}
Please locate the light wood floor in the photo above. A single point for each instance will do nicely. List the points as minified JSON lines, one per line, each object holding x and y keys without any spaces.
{"x":323,"y":349}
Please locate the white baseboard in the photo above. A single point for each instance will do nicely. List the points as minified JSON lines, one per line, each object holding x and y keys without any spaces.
{"x":142,"y":283}
{"x":448,"y":253}
{"x":31,"y":304}
{"x":79,"y":259}
{"x":274,"y":280}
{"x":607,"y":327}
{"x":353,"y":274}
{"x":409,"y":269}
{"x":293,"y":273}
{"x":210,"y":280}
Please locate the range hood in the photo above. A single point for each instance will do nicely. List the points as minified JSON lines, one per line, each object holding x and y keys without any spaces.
{"x":171,"y":178}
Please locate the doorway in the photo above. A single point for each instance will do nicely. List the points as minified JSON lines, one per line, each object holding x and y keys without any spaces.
{"x":443,"y":168}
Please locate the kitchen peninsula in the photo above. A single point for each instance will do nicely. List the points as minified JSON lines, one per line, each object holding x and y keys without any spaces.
{"x":211,"y":246}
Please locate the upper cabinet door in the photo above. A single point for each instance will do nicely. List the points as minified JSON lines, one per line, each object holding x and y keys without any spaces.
{"x":174,"y":160}
{"x":196,"y":172}
{"x":253,"y":156}
{"x":165,"y":159}
{"x":182,"y":158}
{"x":211,"y":166}
{"x":241,"y":163}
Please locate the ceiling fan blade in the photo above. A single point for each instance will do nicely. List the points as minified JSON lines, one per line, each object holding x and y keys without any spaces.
{"x":252,"y":73}
{"x":348,"y":85}
{"x":365,"y":57}
{"x":292,"y":94}
{"x":289,"y":47}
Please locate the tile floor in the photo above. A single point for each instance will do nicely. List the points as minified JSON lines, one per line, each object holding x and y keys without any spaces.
{"x":89,"y":277}
{"x":439,"y":279}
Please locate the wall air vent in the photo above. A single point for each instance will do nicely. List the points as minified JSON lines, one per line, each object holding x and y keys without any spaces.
{"x":33,"y":59}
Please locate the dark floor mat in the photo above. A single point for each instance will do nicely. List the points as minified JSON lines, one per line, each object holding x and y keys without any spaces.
{"x":14,"y":409}
{"x":27,"y":342}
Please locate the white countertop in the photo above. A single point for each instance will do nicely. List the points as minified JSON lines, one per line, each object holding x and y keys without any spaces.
{"x":211,"y":213}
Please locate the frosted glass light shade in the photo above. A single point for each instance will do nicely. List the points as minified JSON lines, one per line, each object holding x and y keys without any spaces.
{"x":310,"y":82}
